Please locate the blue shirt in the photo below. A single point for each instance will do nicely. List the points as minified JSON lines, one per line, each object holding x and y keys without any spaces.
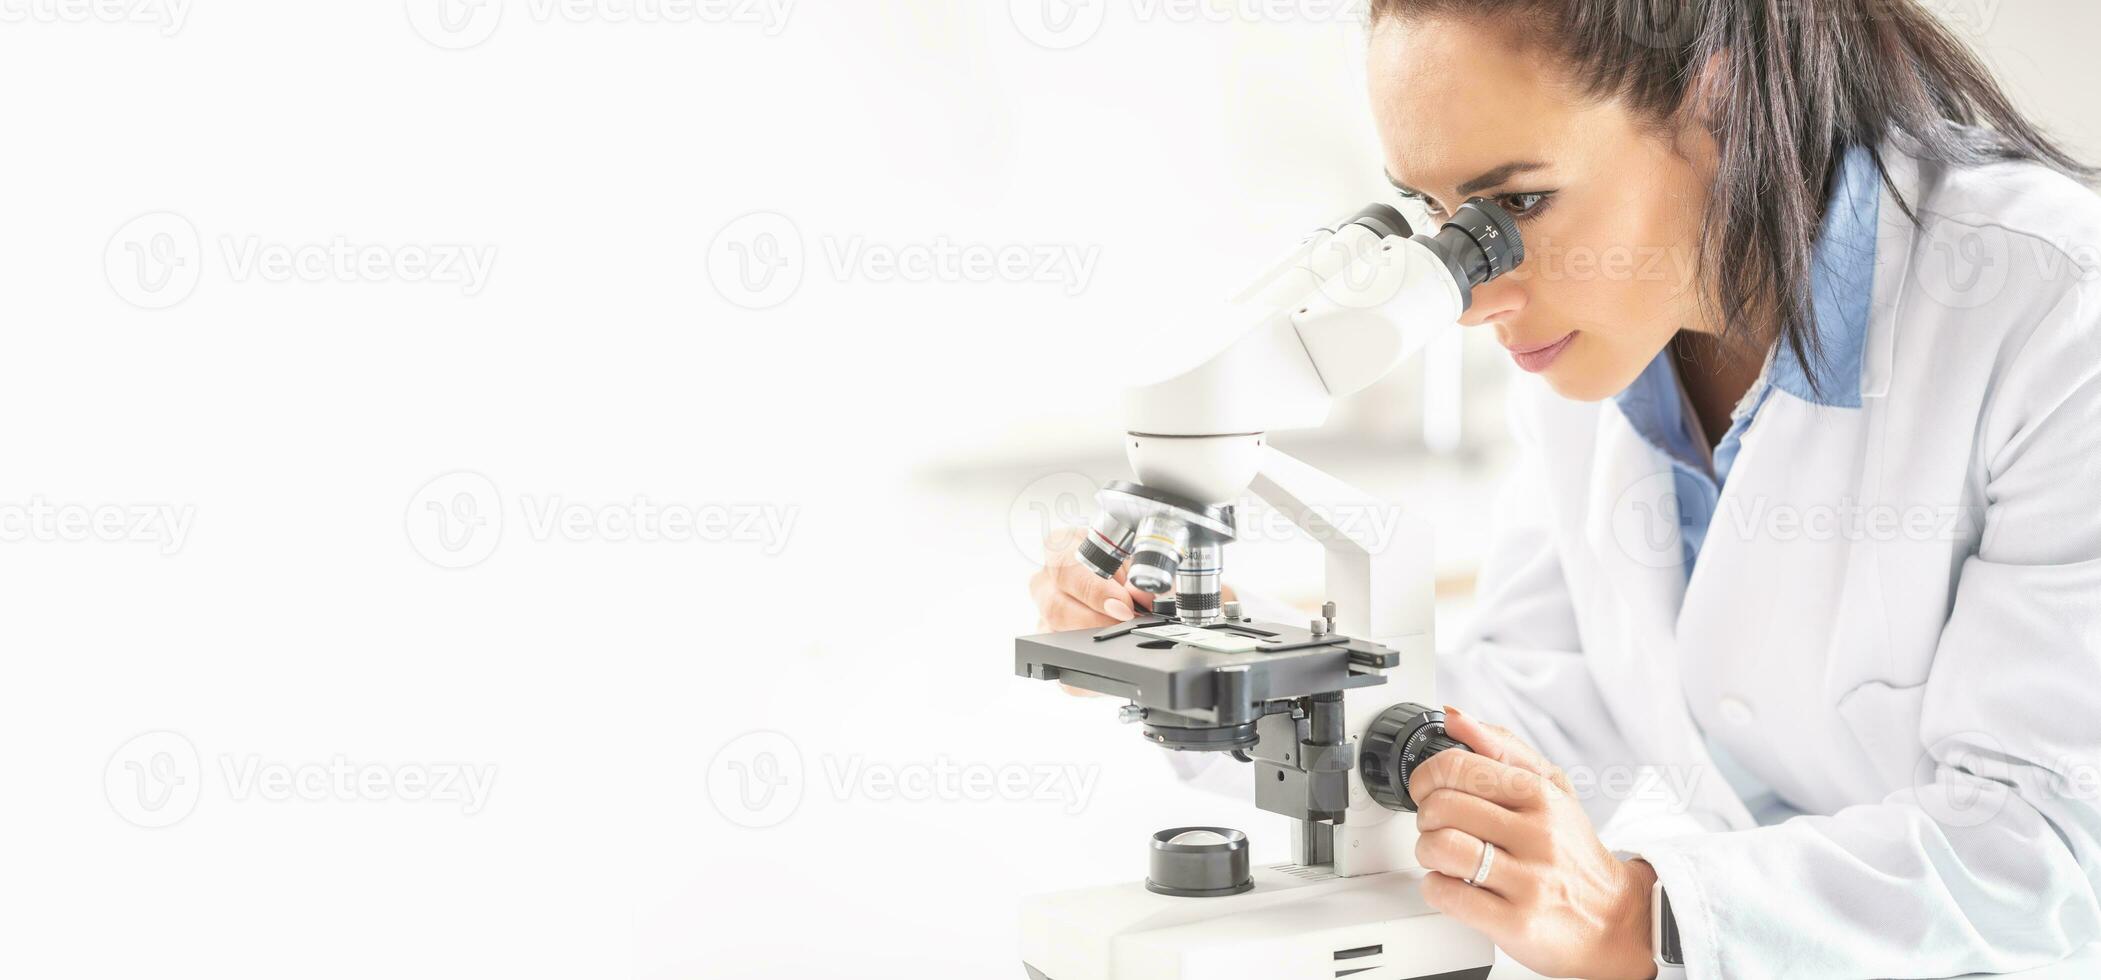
{"x":1842,"y":282}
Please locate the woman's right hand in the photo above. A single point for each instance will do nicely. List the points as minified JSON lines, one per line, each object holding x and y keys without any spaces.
{"x":1070,"y":596}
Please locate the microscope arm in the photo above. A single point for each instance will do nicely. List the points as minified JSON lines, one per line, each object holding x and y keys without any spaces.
{"x":1380,"y":568}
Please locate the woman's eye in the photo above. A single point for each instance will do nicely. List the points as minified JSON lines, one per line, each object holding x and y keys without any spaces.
{"x":1422,"y":202}
{"x":1522,"y":205}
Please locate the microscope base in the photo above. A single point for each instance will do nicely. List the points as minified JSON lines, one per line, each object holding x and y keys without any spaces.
{"x":1295,"y":924}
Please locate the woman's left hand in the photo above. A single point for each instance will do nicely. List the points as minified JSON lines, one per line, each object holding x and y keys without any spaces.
{"x":1554,"y":898}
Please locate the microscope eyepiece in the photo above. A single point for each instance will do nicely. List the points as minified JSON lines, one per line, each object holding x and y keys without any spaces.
{"x":1480,"y":243}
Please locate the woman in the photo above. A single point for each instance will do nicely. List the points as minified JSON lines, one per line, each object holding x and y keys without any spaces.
{"x":1805,"y":538}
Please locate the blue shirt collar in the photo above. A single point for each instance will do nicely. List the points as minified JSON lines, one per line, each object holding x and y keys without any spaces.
{"x":1842,"y":285}
{"x":1842,"y":288}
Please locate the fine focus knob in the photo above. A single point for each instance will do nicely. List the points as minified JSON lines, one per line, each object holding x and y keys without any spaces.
{"x":1199,"y":862}
{"x":1401,"y":738}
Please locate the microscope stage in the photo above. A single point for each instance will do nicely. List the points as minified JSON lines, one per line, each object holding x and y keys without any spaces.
{"x":1138,"y":661}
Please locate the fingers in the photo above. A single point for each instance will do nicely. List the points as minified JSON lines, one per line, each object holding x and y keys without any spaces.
{"x":1502,"y":745}
{"x":1111,"y":599}
{"x":1478,"y":818}
{"x":1478,"y":775}
{"x":1480,"y":908}
{"x":1450,"y":850}
{"x":1063,"y":612}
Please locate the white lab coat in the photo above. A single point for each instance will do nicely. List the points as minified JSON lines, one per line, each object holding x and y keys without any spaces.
{"x":1895,"y":620}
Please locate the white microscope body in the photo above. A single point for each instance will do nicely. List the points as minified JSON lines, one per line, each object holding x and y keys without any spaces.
{"x":1337,"y":314}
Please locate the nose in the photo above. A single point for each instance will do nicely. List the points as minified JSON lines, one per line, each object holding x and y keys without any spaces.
{"x":1496,"y":300}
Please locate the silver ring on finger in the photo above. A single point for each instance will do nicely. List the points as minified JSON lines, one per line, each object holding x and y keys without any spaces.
{"x":1488,"y":860}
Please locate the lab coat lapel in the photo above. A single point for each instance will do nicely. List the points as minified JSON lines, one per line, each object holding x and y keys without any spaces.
{"x":1634,"y":538}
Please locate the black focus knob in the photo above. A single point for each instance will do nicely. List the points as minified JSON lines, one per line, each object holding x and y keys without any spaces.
{"x":1401,"y":738}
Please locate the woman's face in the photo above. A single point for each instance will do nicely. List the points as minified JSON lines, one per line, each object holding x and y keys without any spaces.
{"x":1609,"y":205}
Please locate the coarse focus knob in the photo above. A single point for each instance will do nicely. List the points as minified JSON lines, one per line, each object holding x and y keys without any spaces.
{"x":1401,"y":738}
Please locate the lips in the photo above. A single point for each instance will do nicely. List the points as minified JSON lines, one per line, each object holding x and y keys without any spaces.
{"x":1538,"y":358}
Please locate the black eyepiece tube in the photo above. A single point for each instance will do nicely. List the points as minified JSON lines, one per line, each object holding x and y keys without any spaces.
{"x":1480,"y":243}
{"x":1383,"y":219}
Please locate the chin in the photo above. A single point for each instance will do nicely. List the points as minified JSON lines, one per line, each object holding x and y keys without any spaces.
{"x":1583,"y":383}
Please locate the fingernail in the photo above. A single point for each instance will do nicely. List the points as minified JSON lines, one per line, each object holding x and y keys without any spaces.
{"x":1450,"y":711}
{"x":1118,"y":610}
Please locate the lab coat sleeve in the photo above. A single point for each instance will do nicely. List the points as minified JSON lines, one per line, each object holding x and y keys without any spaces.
{"x":1991,"y":859}
{"x":1519,"y":662}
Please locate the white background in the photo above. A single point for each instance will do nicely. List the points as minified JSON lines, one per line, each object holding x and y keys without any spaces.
{"x":869,"y":459}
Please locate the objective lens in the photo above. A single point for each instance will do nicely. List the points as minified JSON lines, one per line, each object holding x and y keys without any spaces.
{"x":1107,"y":545}
{"x":1157,"y":553}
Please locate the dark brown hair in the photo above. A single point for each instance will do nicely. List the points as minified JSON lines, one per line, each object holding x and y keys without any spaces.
{"x":1798,"y":82}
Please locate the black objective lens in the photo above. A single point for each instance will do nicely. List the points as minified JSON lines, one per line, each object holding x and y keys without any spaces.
{"x":1480,"y":243}
{"x":1401,"y":738}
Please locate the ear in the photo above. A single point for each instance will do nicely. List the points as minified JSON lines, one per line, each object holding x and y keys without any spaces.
{"x":1706,"y":96}
{"x":1694,"y":125}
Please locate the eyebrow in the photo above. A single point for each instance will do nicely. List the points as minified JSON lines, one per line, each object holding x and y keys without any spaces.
{"x":1487,"y":180}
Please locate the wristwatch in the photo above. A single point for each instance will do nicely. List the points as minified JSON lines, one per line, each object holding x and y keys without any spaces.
{"x":1663,"y":930}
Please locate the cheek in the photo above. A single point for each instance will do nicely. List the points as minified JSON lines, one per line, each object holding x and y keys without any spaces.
{"x":1626,"y":296}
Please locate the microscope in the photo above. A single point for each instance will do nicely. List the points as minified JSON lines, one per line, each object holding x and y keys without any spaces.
{"x":1330,"y":716}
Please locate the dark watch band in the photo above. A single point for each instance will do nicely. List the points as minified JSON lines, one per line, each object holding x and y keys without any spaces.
{"x":1668,"y":952}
